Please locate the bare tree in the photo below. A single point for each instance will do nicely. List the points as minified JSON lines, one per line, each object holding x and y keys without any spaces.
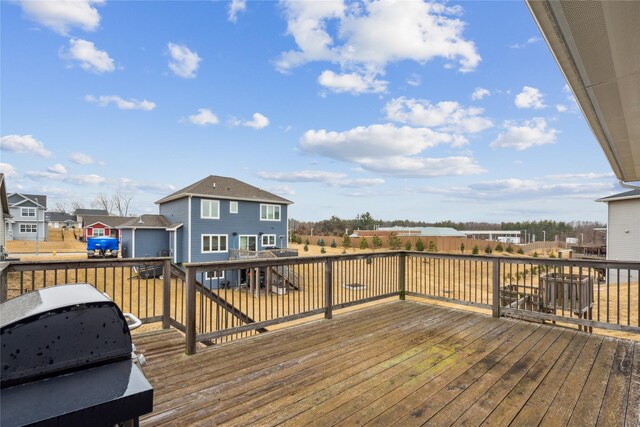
{"x":61,"y":207}
{"x":75,"y":205}
{"x":120,"y":203}
{"x":102,"y":201}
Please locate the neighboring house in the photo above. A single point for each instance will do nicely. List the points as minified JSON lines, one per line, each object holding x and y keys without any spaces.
{"x":623,"y":226}
{"x":60,"y":219}
{"x":4,"y":215}
{"x":102,"y":225}
{"x":81,"y":213}
{"x":207,"y":220}
{"x":27,"y":217}
{"x":146,"y":236}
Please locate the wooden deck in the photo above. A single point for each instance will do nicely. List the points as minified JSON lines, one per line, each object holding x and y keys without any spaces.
{"x":402,"y":363}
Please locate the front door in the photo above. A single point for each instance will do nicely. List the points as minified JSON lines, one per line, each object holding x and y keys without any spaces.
{"x":248,"y":243}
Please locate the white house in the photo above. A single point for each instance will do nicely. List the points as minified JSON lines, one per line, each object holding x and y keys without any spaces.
{"x":623,"y":230}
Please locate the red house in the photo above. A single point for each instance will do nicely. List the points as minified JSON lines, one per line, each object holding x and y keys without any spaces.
{"x":102,"y":225}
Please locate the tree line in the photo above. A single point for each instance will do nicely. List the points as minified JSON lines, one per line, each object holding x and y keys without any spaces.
{"x":550,"y":229}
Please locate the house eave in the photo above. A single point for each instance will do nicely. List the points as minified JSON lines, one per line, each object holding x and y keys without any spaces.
{"x":212,"y":197}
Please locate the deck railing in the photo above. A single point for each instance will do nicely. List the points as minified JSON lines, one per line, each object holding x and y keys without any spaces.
{"x":222,"y":301}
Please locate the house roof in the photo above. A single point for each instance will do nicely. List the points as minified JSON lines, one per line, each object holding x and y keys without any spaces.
{"x":225,"y":188}
{"x":109,"y":220}
{"x":3,"y":195}
{"x":91,"y":212}
{"x":633,"y":194}
{"x":60,"y":217}
{"x":42,"y":199}
{"x":147,"y":221}
{"x":595,"y":44}
{"x":413,"y":231}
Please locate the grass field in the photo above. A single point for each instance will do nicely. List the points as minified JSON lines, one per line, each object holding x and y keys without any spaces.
{"x":469,"y":281}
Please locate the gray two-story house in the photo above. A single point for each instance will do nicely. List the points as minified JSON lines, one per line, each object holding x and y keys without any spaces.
{"x":27,"y":220}
{"x":209,"y":220}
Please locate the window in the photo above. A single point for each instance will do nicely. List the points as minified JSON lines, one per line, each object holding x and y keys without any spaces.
{"x":209,"y":275}
{"x":269,"y":213}
{"x":233,"y":207}
{"x":268,"y":240}
{"x":98,"y":232}
{"x":29,"y":212}
{"x":210,"y":209}
{"x":214,"y":243}
{"x":27,"y":228}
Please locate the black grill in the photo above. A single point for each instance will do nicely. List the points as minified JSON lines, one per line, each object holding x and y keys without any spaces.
{"x":67,"y":360}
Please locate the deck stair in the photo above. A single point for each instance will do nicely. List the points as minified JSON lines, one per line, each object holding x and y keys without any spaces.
{"x":287,"y":276}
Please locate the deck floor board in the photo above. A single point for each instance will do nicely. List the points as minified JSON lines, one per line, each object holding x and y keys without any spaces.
{"x":404,"y":363}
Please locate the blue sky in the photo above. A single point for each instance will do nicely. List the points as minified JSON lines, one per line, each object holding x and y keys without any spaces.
{"x":425,"y":111}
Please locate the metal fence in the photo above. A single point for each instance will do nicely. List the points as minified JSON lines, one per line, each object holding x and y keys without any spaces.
{"x":222,"y":301}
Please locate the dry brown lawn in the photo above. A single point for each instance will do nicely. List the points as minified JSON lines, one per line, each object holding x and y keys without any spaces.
{"x":470,"y":281}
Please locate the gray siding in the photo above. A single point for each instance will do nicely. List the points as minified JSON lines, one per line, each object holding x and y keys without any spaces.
{"x":3,"y":234}
{"x":149,"y":243}
{"x":246,"y":221}
{"x":176,"y":211}
{"x":16,"y":213}
{"x":126,"y":242}
{"x":623,"y":230}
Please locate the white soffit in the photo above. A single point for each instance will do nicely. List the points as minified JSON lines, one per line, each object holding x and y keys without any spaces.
{"x":597,"y":46}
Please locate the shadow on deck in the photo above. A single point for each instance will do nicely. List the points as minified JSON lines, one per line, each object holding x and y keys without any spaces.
{"x":403,"y":363}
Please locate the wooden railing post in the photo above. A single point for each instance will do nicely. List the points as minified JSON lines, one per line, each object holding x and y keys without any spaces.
{"x":402,"y":267}
{"x":166,"y":294}
{"x":191,"y":311}
{"x":328,"y":288}
{"x":3,"y":281}
{"x":495,"y":286}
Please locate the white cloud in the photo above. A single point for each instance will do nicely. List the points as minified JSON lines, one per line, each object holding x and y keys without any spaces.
{"x":23,"y":144}
{"x":91,"y":179}
{"x":122,"y":104}
{"x":333,"y":179}
{"x":530,"y":40}
{"x":258,"y":122}
{"x":235,"y":7}
{"x":184,"y":62}
{"x":132,"y":186}
{"x":530,"y":97}
{"x":8,"y":170}
{"x":480,"y":93}
{"x":82,"y":159}
{"x":532,"y":133}
{"x":414,"y":80}
{"x":581,"y":176}
{"x":89,"y":57}
{"x":62,"y":15}
{"x":204,"y":117}
{"x":281,"y":190}
{"x":523,"y":189}
{"x":561,"y":108}
{"x":351,"y":83}
{"x":58,"y":169}
{"x":424,"y":167}
{"x":362,"y":39}
{"x":389,"y":149}
{"x":447,"y":115}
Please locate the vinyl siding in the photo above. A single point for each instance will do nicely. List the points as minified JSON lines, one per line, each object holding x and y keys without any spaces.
{"x":245,"y":222}
{"x":16,"y":213}
{"x":624,"y":215}
{"x":126,"y":242}
{"x":177,"y":211}
{"x":3,"y":233}
{"x":149,"y":243}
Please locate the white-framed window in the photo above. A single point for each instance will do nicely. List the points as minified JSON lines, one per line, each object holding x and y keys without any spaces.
{"x":212,"y":275}
{"x":269,"y":212}
{"x":210,"y":209}
{"x":233,"y":207}
{"x":98,"y":232}
{"x":28,"y":212}
{"x":214,"y":243}
{"x":268,"y":240}
{"x":27,"y":228}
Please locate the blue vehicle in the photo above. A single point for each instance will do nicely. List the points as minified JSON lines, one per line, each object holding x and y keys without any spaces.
{"x":102,"y":247}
